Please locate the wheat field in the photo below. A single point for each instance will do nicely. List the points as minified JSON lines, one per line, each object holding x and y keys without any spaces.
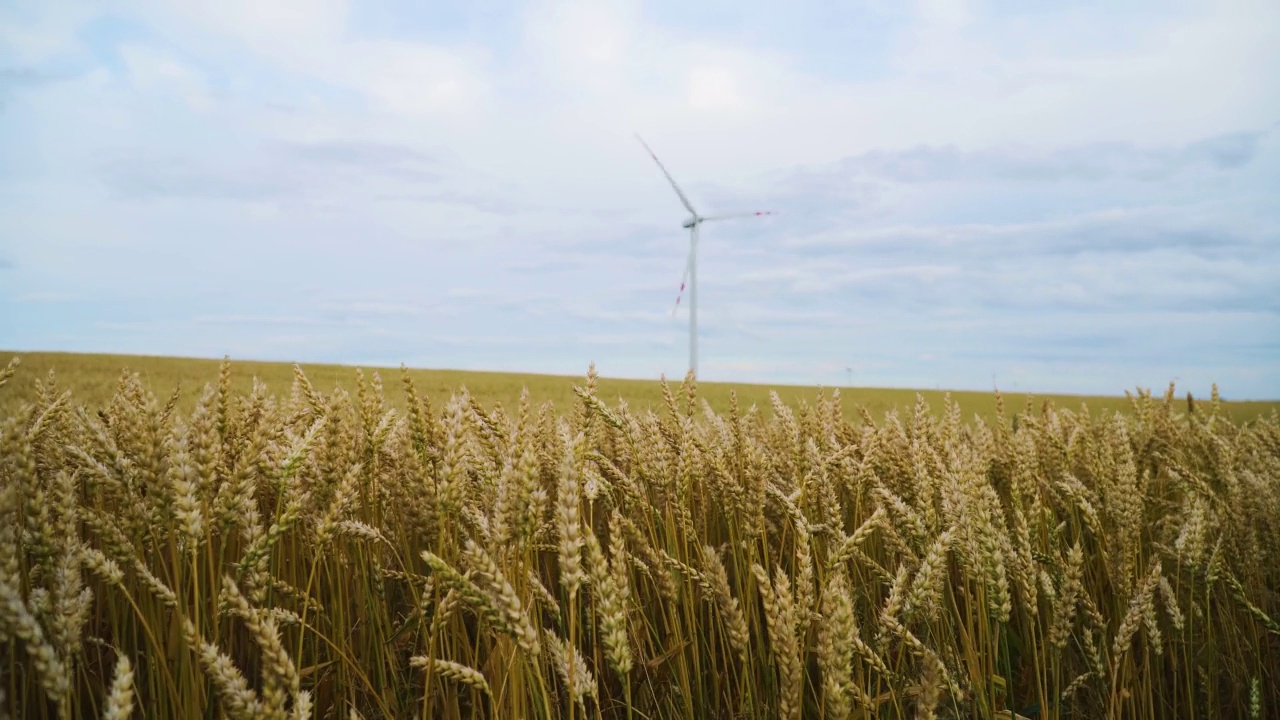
{"x":325,"y":554}
{"x":92,"y":378}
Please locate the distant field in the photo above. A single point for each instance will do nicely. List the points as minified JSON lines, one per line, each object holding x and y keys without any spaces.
{"x":92,"y":379}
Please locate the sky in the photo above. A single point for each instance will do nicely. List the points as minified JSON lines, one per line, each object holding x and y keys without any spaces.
{"x":1046,"y":197}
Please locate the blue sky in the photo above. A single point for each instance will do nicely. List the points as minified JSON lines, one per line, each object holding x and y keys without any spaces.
{"x":1065,"y":197}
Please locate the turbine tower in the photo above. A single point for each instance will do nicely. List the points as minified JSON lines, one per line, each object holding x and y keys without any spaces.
{"x":691,"y":267}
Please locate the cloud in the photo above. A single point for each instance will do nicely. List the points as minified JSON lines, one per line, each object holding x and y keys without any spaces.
{"x":311,"y":39}
{"x":155,"y":71}
{"x":615,"y":317}
{"x":1105,"y":232}
{"x":1088,"y":163}
{"x":1099,"y":281}
{"x":32,"y":33}
{"x":826,"y":277}
{"x":370,"y":156}
{"x":16,"y":79}
{"x":1225,"y":152}
{"x":860,"y":186}
{"x":280,"y":170}
{"x":871,"y":190}
{"x":142,"y":178}
{"x":1050,"y":190}
{"x":494,"y":204}
{"x":24,"y":77}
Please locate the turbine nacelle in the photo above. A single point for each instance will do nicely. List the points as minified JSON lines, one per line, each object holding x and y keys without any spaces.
{"x":691,"y":222}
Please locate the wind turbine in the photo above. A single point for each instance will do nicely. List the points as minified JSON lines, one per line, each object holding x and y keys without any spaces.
{"x":691,"y":268}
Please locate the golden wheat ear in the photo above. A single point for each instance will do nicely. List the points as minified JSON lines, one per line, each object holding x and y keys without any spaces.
{"x":9,"y":370}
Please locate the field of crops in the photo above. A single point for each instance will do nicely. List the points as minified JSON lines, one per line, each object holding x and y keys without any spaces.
{"x":332,"y":554}
{"x":92,"y":378}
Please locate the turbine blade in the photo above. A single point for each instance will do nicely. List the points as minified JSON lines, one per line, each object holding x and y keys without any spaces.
{"x":683,"y":199}
{"x":684,"y":281}
{"x":740,"y":215}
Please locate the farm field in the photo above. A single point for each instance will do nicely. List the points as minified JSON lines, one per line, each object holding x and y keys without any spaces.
{"x":299,"y":552}
{"x":93,"y":378}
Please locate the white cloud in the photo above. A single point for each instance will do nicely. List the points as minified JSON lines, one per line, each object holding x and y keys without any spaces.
{"x":988,"y":189}
{"x":32,"y":31}
{"x":312,"y":38}
{"x":575,"y":43}
{"x":410,"y":78}
{"x":950,"y":14}
{"x":714,"y":88}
